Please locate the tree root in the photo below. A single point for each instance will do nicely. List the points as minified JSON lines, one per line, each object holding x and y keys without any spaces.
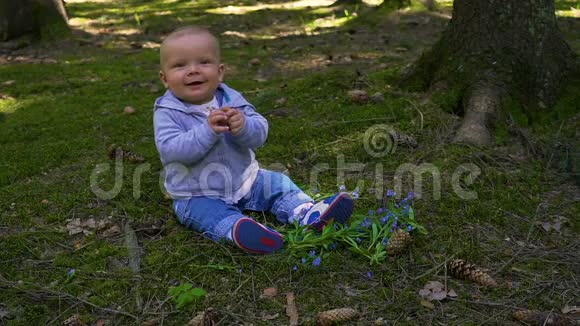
{"x":483,"y":101}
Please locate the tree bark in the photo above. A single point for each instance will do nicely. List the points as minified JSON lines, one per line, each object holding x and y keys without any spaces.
{"x":492,"y":48}
{"x":45,"y":19}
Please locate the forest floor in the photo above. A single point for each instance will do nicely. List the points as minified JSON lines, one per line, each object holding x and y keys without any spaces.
{"x":69,"y":250}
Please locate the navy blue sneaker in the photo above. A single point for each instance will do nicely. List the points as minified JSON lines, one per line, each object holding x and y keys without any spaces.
{"x":255,"y":238}
{"x":338,"y":208}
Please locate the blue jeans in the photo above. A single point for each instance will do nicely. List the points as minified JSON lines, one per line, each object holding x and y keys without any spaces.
{"x":271,"y":191}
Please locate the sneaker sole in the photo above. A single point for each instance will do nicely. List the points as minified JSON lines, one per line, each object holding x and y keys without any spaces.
{"x":340,"y":210}
{"x":254,"y":238}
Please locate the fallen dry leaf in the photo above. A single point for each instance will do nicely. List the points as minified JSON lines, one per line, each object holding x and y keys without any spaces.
{"x":269,"y":293}
{"x":424,"y":293}
{"x":546,"y":226}
{"x":255,"y":61}
{"x":571,"y":310}
{"x":451,"y":293}
{"x":100,"y":322}
{"x":439,"y":295}
{"x":433,"y":290}
{"x":8,"y":83}
{"x":358,"y":96}
{"x":427,"y":304}
{"x":74,"y":320}
{"x":208,"y":317}
{"x":76,"y":226}
{"x":434,"y":286}
{"x":113,"y":230}
{"x":129,"y":110}
{"x":291,"y":310}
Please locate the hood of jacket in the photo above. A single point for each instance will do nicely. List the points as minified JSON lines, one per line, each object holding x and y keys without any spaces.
{"x":226,"y":97}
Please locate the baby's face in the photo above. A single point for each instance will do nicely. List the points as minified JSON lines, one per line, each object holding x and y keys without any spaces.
{"x":191,"y":68}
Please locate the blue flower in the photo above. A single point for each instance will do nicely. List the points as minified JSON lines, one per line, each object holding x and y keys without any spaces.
{"x":366,"y":223}
{"x":369,"y":274}
{"x":410,"y":195}
{"x":355,"y":194}
{"x":341,"y":188}
{"x":71,"y":272}
{"x":385,"y":219}
{"x":295,"y":268}
{"x":391,"y":193}
{"x":316,"y":261}
{"x":409,"y":228}
{"x":358,"y":240}
{"x":312,"y":253}
{"x":380,"y":210}
{"x":385,"y":241}
{"x":303,"y":260}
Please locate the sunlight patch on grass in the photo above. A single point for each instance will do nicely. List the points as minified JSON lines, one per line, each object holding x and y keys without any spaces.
{"x":572,"y":12}
{"x":8,"y":105}
{"x":445,"y":3}
{"x":373,"y":2}
{"x":92,"y":26}
{"x":242,"y":10}
{"x":328,"y":22}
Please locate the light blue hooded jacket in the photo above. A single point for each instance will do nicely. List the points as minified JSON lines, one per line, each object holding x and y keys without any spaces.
{"x":199,"y":162}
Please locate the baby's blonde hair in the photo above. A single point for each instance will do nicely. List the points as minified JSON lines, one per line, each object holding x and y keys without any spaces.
{"x":188,"y":30}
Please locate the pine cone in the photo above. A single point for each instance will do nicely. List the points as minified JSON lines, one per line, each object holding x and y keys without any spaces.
{"x":335,"y":315}
{"x":115,"y":151}
{"x":204,"y":318}
{"x":534,"y":317}
{"x":398,"y":242}
{"x":459,"y":268}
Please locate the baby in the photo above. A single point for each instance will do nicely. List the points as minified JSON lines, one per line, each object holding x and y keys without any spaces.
{"x":206,"y":134}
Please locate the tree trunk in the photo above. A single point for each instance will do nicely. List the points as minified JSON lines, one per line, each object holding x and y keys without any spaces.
{"x":45,"y":19}
{"x":492,"y":48}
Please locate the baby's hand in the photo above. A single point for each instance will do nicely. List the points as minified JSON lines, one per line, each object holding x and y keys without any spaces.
{"x":218,"y":121}
{"x":236,"y":120}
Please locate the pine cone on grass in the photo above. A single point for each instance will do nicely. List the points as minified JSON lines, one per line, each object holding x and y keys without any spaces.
{"x":115,"y":151}
{"x":534,"y":317}
{"x":398,"y":242}
{"x":461,"y":269}
{"x":327,"y":318}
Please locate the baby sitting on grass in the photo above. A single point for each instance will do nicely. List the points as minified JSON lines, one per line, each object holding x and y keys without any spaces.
{"x":206,"y":134}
